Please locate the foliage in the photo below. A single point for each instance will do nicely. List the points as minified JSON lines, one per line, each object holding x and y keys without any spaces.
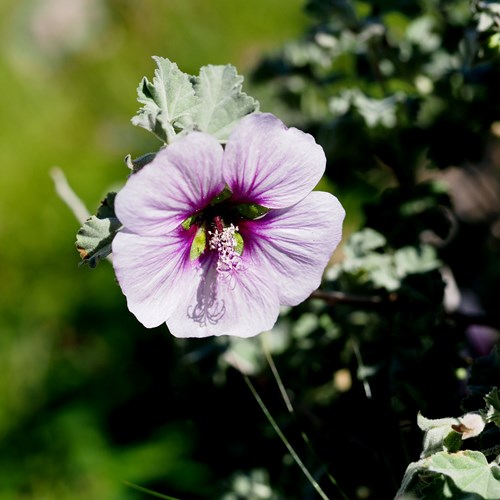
{"x":212,"y":102}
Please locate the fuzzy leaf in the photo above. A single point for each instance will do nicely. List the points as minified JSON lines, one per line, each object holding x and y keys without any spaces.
{"x":93,"y":240}
{"x":223,"y":103}
{"x":470,"y":471}
{"x":167,"y":101}
{"x":436,"y":434}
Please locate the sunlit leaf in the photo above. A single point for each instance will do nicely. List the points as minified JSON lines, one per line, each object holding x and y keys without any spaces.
{"x":167,"y":99}
{"x":436,"y":434}
{"x":223,"y":102}
{"x":470,"y":471}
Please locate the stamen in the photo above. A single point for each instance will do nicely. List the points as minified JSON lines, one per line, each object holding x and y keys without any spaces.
{"x":225,"y":243}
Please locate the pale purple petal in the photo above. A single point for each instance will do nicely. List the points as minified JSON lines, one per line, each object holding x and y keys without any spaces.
{"x":182,"y":179}
{"x":271,"y":165}
{"x":162,"y":285}
{"x":148,"y":269}
{"x":296,"y":243}
{"x":244,"y":305}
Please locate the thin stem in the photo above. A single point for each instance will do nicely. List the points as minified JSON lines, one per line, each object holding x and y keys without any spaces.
{"x":289,"y":405}
{"x":361,"y":367}
{"x":68,"y":196}
{"x":334,"y":298}
{"x":285,"y":441}
{"x":276,"y":375}
{"x":148,"y":492}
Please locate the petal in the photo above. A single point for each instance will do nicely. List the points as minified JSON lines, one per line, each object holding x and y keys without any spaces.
{"x":270,"y":164}
{"x":148,"y":268}
{"x":244,"y":305}
{"x":182,"y":179}
{"x":297,"y":243}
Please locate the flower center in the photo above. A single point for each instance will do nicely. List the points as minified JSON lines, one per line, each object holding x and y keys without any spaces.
{"x":225,"y":242}
{"x":217,"y":230}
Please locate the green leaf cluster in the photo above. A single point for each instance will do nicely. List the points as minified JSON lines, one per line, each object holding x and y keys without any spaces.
{"x":368,"y":261}
{"x":446,"y":471}
{"x":175,"y":102}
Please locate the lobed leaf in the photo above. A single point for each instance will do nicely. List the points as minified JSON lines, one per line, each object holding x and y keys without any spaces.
{"x":167,"y":101}
{"x":470,"y":472}
{"x":93,"y":240}
{"x":223,"y":103}
{"x":175,"y":102}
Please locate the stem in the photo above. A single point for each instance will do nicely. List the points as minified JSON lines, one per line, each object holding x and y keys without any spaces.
{"x":334,"y":298}
{"x":285,"y":441}
{"x":68,"y":196}
{"x":289,"y":405}
{"x":276,"y":375}
{"x":148,"y":492}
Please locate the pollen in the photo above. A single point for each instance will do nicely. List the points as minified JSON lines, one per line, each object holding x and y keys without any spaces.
{"x":225,"y":243}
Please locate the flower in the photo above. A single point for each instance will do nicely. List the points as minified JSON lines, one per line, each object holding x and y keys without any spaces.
{"x":216,"y":239}
{"x":471,"y":425}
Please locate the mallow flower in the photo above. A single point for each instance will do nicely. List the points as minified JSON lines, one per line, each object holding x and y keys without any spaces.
{"x":215,"y":239}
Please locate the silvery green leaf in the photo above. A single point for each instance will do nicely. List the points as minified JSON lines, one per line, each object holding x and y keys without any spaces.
{"x":168,"y":101}
{"x":218,"y":88}
{"x":436,"y":432}
{"x":93,"y":240}
{"x":470,"y":472}
{"x":361,"y":242}
{"x":411,"y":260}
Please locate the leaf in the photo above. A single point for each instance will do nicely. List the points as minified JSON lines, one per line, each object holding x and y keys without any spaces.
{"x":93,"y":240}
{"x":437,"y":434}
{"x":470,"y":471}
{"x":493,"y":406}
{"x":411,"y":260}
{"x":168,"y":101}
{"x":363,"y":241}
{"x":223,"y":103}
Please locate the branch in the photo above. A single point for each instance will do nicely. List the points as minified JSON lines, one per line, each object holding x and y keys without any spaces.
{"x":334,"y":298}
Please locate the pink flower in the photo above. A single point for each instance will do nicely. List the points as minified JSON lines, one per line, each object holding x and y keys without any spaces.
{"x":201,"y":253}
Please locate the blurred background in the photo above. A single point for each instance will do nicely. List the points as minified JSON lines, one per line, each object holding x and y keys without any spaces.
{"x":84,"y":390}
{"x":403,"y":96}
